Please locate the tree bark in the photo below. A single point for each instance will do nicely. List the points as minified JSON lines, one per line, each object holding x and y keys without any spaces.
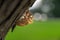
{"x":10,"y":11}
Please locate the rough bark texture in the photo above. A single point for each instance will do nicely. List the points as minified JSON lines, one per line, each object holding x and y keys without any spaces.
{"x":10,"y":11}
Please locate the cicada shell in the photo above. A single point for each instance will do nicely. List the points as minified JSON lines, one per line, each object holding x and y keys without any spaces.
{"x":26,"y":19}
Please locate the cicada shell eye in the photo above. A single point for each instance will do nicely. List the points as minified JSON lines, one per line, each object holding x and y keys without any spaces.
{"x":21,"y":18}
{"x":31,"y":16}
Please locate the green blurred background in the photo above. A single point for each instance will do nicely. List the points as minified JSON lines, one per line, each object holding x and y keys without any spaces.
{"x":49,"y":30}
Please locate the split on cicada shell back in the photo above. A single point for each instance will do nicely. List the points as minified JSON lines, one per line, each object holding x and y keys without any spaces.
{"x":27,"y":18}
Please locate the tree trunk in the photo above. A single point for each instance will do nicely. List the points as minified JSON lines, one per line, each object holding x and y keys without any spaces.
{"x":10,"y":11}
